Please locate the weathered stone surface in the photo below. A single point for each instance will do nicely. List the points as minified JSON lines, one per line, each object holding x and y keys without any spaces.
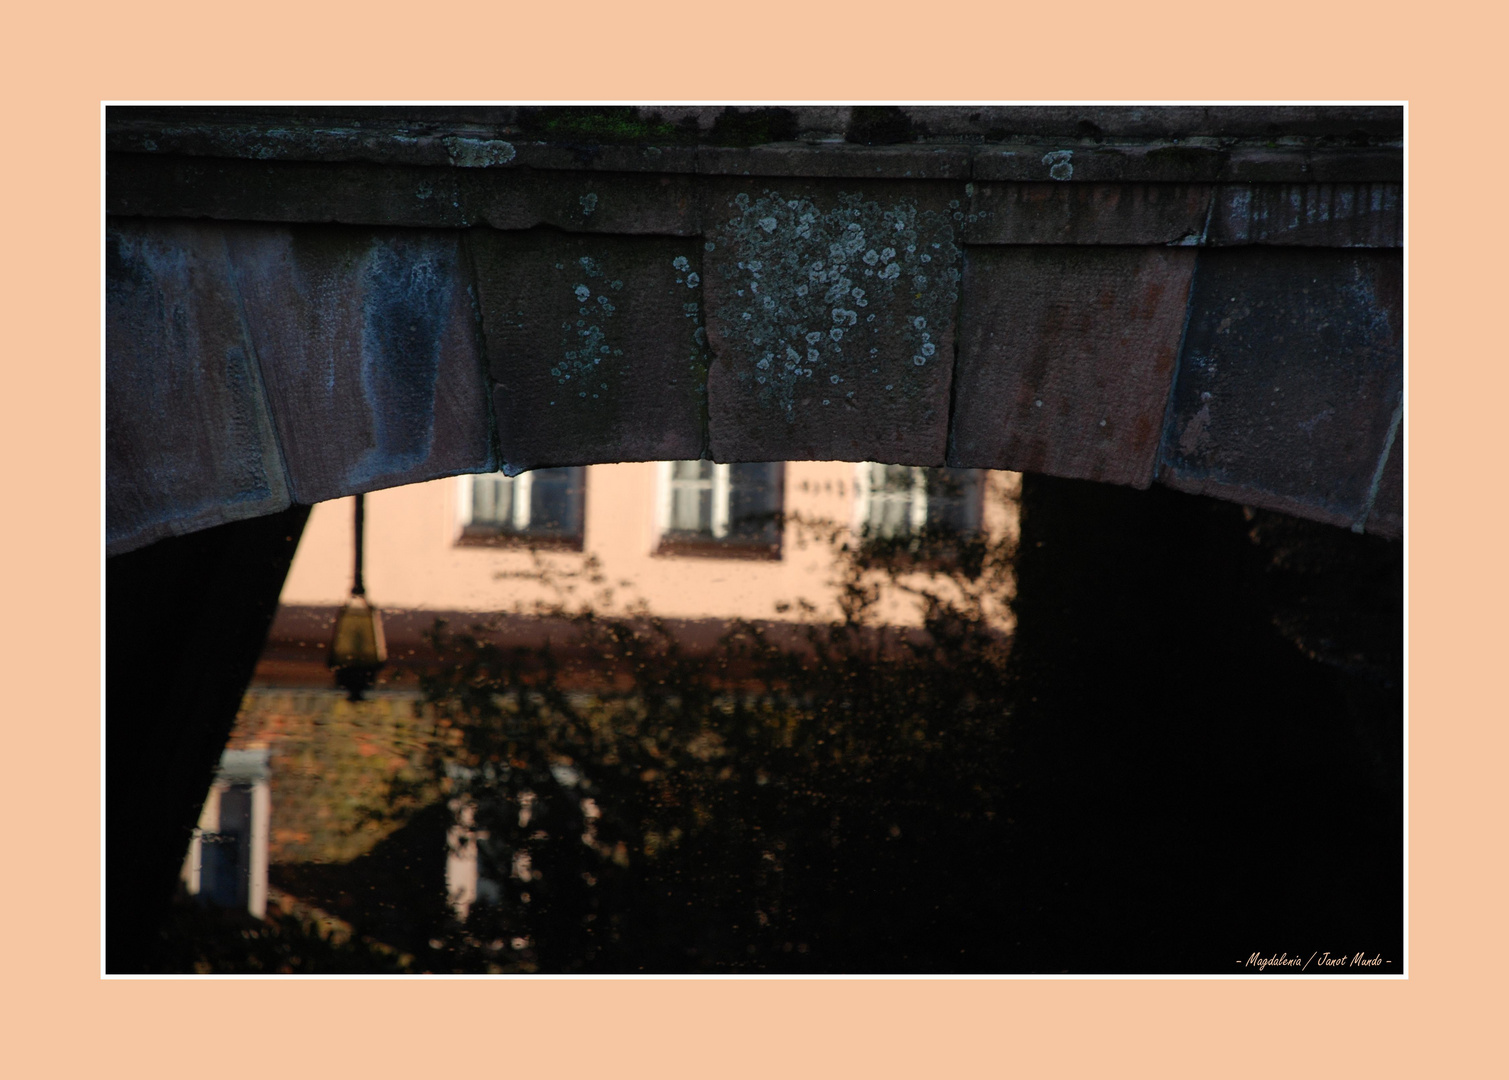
{"x":1386,"y":518}
{"x":368,"y":344}
{"x":1054,"y":213}
{"x":1298,"y":178}
{"x":596,"y":345}
{"x":1098,"y":163}
{"x":188,"y":441}
{"x":437,"y":134}
{"x":363,"y":194}
{"x":842,"y":160}
{"x":831,"y":313}
{"x":303,"y":139}
{"x":1187,"y":163}
{"x":1340,"y":165}
{"x":418,"y":142}
{"x":1312,"y":215}
{"x":994,"y":123}
{"x":589,"y":157}
{"x":1066,"y":356}
{"x":1175,"y":162}
{"x":1041,"y":211}
{"x":285,"y":191}
{"x":1291,"y":368}
{"x":624,"y":203}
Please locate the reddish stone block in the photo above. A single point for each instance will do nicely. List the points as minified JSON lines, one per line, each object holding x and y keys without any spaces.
{"x":368,"y":344}
{"x":1066,"y":356}
{"x":831,"y":314}
{"x":1050,"y":213}
{"x":1310,"y":215}
{"x":595,"y":344}
{"x":1291,"y":369}
{"x":188,"y":440}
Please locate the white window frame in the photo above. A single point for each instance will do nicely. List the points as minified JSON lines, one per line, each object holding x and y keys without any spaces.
{"x":864,"y":473}
{"x":719,"y":484}
{"x":520,"y":486}
{"x":520,"y":509}
{"x":721,"y":534}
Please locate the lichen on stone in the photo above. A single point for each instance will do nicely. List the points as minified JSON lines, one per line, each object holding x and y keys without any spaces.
{"x":1060,"y":164}
{"x":584,"y":341}
{"x":807,"y":290}
{"x":478,"y":153}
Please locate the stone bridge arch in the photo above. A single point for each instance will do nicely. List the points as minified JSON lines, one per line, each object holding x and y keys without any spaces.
{"x":304,"y":304}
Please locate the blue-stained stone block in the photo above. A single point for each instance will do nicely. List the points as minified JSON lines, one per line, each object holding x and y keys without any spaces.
{"x":188,"y":439}
{"x":369,"y":346}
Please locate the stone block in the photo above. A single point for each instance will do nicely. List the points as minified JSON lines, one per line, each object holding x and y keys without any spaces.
{"x":1107,"y":164}
{"x":1331,"y":165}
{"x":606,"y":157}
{"x":831,"y":312}
{"x":1066,"y":357}
{"x":1310,"y":215}
{"x":1386,"y":517}
{"x":230,"y":189}
{"x":837,"y":160}
{"x":188,"y":439}
{"x":1291,"y":368}
{"x":360,"y":193}
{"x":1119,"y":123}
{"x":595,"y":344}
{"x":1187,"y":163}
{"x":629,"y":204}
{"x":1052,"y":213}
{"x":368,"y":344}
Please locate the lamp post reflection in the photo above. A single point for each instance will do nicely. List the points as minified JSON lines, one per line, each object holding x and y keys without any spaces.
{"x":358,"y":651}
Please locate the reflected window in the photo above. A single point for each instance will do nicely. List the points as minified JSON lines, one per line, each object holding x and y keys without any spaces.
{"x":544,"y":505}
{"x":905,"y":500}
{"x":227,"y":860}
{"x":711,"y":509}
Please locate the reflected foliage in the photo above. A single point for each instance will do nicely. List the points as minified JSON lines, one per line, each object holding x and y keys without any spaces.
{"x":1156,"y":735}
{"x":763,"y":805}
{"x":204,"y":940}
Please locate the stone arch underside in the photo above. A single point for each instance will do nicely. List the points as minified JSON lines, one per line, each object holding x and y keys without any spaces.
{"x":301,"y":308}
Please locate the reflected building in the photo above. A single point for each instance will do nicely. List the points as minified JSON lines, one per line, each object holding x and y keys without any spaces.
{"x":696,"y":544}
{"x":226,"y":863}
{"x":689,"y":541}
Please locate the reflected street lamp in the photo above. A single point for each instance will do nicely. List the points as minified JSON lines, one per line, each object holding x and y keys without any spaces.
{"x":358,"y":650}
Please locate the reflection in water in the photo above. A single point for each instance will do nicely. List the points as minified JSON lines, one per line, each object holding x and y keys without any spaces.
{"x":773,"y":801}
{"x":904,"y":500}
{"x":543,"y":503}
{"x":855,"y":764}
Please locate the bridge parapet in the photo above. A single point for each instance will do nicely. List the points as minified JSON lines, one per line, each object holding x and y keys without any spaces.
{"x":307,"y":304}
